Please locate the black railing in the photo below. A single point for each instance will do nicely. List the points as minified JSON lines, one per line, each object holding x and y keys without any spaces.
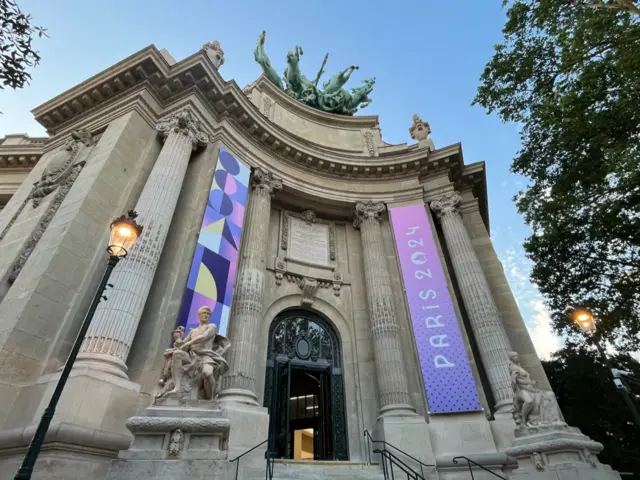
{"x":237,"y":459}
{"x":271,"y":458}
{"x":390,"y":459}
{"x":475,"y":464}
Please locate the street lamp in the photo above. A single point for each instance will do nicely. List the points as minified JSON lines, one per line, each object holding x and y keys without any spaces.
{"x":124,"y":232}
{"x":587,"y":323}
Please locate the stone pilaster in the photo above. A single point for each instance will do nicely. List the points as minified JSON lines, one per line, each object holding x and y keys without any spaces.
{"x":108,"y":341}
{"x":486,"y":324}
{"x":390,"y":371}
{"x":248,"y":297}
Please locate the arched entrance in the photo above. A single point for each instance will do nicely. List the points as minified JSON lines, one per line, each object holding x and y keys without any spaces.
{"x":304,"y":389}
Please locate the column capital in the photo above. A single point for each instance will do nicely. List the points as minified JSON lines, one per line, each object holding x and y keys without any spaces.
{"x":185,"y":123}
{"x":367,"y":212}
{"x":447,"y":204}
{"x":265,"y":182}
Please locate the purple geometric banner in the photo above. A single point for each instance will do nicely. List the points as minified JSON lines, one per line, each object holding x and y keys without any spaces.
{"x":443,"y":359}
{"x":215,"y":261}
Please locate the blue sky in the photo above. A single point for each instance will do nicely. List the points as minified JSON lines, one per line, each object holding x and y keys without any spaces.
{"x":427,"y":57}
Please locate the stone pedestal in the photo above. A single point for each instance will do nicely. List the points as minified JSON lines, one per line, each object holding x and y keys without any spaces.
{"x":557,"y":452}
{"x":176,"y":441}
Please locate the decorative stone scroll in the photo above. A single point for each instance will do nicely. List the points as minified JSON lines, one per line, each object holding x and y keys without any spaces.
{"x":59,"y":175}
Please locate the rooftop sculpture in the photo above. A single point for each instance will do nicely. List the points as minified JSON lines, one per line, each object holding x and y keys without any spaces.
{"x":333,"y":98}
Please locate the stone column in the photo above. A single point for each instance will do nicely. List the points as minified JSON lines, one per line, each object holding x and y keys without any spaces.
{"x":108,"y":341}
{"x":248,"y":297}
{"x":486,"y":324}
{"x":387,"y":349}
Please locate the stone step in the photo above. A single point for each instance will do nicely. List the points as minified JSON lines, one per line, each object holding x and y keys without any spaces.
{"x":319,"y":470}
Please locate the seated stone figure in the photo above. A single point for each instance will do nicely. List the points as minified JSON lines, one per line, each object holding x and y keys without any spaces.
{"x":196,"y":361}
{"x":533,"y":407}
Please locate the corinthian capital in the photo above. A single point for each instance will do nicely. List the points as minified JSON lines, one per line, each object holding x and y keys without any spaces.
{"x":186,"y":124}
{"x":447,"y":204}
{"x":367,"y":212}
{"x":265,"y":182}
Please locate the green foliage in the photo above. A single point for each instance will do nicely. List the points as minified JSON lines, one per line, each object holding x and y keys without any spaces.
{"x":590,"y":401}
{"x":16,"y":51}
{"x":569,"y":74}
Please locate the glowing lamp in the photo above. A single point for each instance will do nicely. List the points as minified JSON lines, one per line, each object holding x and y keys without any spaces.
{"x":124,"y":233}
{"x":585,"y":321}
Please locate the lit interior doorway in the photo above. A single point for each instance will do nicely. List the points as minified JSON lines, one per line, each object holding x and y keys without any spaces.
{"x":304,"y":389}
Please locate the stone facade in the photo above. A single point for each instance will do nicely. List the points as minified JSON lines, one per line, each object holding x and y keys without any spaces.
{"x":156,"y":128}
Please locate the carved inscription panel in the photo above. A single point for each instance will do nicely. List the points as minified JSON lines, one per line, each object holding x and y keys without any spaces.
{"x":309,"y":242}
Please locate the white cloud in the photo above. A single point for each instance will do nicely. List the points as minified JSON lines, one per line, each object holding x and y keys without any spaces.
{"x":530,"y":302}
{"x":544,"y":339}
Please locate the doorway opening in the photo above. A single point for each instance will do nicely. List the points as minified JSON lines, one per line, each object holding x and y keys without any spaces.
{"x":304,"y":389}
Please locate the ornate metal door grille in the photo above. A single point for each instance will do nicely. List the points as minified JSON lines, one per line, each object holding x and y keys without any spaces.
{"x":302,"y":338}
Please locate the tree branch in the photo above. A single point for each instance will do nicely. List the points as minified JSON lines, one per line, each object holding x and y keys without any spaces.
{"x":624,"y":5}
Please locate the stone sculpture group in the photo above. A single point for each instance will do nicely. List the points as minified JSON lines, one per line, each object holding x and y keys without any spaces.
{"x":532,"y":407}
{"x":332,"y":98}
{"x":194,"y":364}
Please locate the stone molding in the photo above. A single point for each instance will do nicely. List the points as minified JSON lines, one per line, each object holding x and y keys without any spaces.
{"x":65,"y":433}
{"x":309,"y":216}
{"x":302,"y":273}
{"x":184,"y":123}
{"x":142,"y":424}
{"x":226,"y":99}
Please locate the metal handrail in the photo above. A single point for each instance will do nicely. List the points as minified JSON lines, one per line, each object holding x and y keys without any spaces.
{"x":469,"y":462}
{"x":237,"y":459}
{"x":367,"y":435}
{"x":271,"y":460}
{"x":394,"y":460}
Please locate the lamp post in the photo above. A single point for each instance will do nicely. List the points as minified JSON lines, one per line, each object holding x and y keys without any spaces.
{"x":124,"y":232}
{"x":587,"y":323}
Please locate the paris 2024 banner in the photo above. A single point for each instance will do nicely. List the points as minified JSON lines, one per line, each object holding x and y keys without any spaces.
{"x":443,"y":359}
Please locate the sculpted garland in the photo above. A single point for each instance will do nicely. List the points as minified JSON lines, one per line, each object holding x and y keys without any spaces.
{"x":333,"y":98}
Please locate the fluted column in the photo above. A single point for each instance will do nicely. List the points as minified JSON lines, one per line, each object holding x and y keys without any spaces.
{"x":387,"y":349}
{"x":114,"y":325}
{"x":248,"y":297}
{"x":486,"y":324}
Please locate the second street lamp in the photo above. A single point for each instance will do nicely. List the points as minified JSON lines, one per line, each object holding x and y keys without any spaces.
{"x":124,"y":232}
{"x":587,"y":323}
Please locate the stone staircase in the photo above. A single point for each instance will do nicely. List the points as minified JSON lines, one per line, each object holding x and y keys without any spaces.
{"x":320,"y":470}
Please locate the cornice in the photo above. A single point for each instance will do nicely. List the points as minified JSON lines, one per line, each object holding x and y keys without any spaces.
{"x":148,"y":68}
{"x":21,"y":156}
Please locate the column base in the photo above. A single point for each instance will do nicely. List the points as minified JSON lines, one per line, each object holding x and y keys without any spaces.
{"x":238,"y":395}
{"x":504,"y":407}
{"x":408,"y":433}
{"x":249,"y":427}
{"x":397,"y":410}
{"x":102,"y":363}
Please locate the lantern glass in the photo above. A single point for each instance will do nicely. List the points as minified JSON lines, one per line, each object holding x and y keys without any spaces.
{"x":124,"y":233}
{"x":585,"y":321}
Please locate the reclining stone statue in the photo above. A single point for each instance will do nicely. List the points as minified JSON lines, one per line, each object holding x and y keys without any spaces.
{"x":194,"y":364}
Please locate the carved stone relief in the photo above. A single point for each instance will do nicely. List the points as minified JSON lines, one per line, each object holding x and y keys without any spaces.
{"x":266,"y":106}
{"x":368,"y":140}
{"x":175,"y":443}
{"x":308,"y":244}
{"x":309,"y":218}
{"x":57,"y":170}
{"x":59,"y":175}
